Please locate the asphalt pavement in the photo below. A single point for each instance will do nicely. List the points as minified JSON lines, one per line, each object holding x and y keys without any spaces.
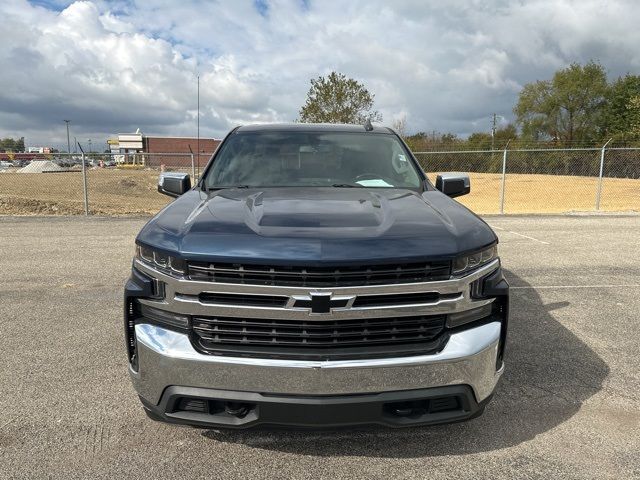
{"x":568,"y":405}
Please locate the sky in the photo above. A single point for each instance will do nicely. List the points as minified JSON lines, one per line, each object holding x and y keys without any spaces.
{"x":113,"y":67}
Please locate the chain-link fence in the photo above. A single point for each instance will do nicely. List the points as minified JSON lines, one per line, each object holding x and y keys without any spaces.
{"x":502,"y":181}
{"x":109,"y":184}
{"x":544,"y":180}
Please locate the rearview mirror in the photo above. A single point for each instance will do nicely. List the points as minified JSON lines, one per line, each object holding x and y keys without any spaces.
{"x":453,"y":184}
{"x":174,"y":184}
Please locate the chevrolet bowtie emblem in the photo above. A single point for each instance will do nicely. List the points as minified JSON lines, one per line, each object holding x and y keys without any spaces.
{"x":320,"y":302}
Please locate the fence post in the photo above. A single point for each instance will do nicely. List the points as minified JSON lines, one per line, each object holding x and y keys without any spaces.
{"x":504,"y":175}
{"x":599,"y":192}
{"x":84,"y":184}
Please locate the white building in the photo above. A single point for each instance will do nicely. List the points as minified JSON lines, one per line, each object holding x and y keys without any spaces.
{"x":38,"y":149}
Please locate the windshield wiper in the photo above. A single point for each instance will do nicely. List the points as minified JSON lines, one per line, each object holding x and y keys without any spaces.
{"x":347,"y":185}
{"x":221,"y":187}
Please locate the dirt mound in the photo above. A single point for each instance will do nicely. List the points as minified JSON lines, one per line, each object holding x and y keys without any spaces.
{"x":40,"y":166}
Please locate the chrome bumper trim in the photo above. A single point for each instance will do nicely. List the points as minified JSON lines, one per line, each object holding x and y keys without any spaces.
{"x":168,"y":358}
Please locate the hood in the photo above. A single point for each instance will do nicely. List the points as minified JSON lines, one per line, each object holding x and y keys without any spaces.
{"x":315,"y":226}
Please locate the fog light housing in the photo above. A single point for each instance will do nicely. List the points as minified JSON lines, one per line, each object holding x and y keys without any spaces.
{"x":163,"y":317}
{"x":461,"y":318}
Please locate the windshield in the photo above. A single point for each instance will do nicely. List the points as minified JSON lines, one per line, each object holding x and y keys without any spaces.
{"x":313,"y":159}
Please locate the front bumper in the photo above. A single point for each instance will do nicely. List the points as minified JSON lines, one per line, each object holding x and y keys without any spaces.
{"x":170,"y":368}
{"x":178,"y":383}
{"x":208,"y":408}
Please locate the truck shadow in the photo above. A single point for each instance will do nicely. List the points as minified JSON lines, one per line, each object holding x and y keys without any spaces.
{"x":549,"y":374}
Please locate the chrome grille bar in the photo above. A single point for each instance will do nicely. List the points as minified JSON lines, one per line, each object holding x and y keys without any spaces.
{"x":453,"y":295}
{"x":317,"y":276}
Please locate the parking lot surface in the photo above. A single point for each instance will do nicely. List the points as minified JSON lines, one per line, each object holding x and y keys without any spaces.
{"x":567,"y":406}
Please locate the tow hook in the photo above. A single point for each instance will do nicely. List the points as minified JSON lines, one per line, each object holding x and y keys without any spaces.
{"x":236,"y":409}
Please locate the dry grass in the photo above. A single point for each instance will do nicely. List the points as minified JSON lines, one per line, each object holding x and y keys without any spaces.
{"x":549,"y":193}
{"x":110,"y":192}
{"x":119,"y":192}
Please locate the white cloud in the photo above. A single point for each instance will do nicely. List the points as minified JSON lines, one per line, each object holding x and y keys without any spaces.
{"x":448,"y":66}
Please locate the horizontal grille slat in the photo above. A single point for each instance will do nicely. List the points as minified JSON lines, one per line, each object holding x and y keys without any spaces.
{"x":243,"y":299}
{"x":316,"y":343}
{"x":311,"y":325}
{"x":318,"y":276}
{"x":210,"y":333}
{"x":396,"y":299}
{"x":326,"y":338}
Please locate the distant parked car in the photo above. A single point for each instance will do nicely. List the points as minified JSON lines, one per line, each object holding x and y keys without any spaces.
{"x":62,"y":162}
{"x":5,"y":164}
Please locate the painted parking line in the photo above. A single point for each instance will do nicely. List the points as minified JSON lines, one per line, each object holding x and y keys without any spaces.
{"x":520,"y":235}
{"x":541,"y":287}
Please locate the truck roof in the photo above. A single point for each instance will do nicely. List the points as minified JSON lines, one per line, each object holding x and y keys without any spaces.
{"x":312,"y":127}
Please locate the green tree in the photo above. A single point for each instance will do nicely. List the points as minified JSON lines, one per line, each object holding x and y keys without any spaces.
{"x":423,"y":141}
{"x":449,"y":138}
{"x":7,"y":144}
{"x":620,"y":111}
{"x":633,"y":117}
{"x":11,"y":145}
{"x":417,"y":142}
{"x":566,"y":109}
{"x":482,"y":140}
{"x":338,"y":99}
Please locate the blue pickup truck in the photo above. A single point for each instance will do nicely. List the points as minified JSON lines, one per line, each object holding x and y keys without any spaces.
{"x":315,"y":277}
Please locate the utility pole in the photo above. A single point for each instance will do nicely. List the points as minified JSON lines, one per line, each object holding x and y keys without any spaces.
{"x":68,"y":142}
{"x":75,"y":145}
{"x":493,"y":138}
{"x":89,"y":141}
{"x":599,"y":192}
{"x":84,"y":182}
{"x":493,"y":132}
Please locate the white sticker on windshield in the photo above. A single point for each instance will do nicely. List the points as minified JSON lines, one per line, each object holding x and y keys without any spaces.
{"x":373,"y":183}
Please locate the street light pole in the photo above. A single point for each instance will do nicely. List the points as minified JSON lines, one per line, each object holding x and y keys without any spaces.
{"x":68,"y":142}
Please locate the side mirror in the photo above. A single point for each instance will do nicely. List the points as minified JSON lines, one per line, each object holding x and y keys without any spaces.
{"x":453,"y":184}
{"x":174,"y":184}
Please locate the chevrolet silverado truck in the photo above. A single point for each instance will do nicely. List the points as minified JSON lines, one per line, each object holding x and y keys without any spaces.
{"x":314,"y":277}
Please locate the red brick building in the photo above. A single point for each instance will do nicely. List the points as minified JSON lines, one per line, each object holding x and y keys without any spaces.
{"x":184,"y":145}
{"x":169,"y":151}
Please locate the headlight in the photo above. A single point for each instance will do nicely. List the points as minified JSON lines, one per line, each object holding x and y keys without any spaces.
{"x":161,"y":261}
{"x":470,"y":262}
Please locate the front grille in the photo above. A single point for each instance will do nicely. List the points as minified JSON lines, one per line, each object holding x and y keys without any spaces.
{"x":318,"y":276}
{"x":319,"y":339}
